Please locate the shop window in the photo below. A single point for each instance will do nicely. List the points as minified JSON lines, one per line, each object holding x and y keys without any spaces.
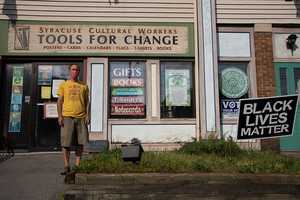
{"x":127,"y":90}
{"x":233,"y":85}
{"x":177,"y":94}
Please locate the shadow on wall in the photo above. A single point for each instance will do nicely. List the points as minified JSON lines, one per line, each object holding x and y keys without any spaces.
{"x":116,"y":1}
{"x":297,"y":5}
{"x":10,"y":10}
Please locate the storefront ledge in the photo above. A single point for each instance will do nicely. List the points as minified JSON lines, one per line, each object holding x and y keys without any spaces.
{"x":96,"y":146}
{"x":184,"y":186}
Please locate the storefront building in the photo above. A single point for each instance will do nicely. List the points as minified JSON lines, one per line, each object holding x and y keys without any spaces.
{"x":159,"y":71}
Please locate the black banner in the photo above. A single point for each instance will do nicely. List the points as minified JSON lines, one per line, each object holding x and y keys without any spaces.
{"x":267,"y":117}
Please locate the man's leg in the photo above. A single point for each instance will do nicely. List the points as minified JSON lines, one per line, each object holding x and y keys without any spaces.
{"x":78,"y":152}
{"x":66,"y":154}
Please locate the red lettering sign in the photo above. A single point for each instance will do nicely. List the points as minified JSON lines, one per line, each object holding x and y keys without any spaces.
{"x":127,"y":109}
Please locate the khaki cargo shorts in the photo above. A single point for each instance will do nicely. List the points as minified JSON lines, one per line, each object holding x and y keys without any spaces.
{"x":74,"y":128}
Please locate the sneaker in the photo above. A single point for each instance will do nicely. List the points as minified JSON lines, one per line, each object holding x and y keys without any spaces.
{"x":65,"y":170}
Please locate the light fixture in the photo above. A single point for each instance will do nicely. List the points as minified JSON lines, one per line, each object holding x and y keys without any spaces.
{"x":290,"y":42}
{"x":132,"y":152}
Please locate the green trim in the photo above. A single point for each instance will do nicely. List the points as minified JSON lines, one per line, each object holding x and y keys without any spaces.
{"x":291,"y":142}
{"x":4,"y":38}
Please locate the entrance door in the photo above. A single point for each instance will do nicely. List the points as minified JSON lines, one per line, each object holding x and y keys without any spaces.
{"x":287,"y":83}
{"x":49,"y":76}
{"x":15,"y":106}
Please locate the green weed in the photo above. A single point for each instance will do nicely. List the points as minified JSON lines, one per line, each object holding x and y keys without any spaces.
{"x":211,"y":155}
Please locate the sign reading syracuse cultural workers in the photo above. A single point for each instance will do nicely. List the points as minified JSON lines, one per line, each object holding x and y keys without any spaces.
{"x":267,"y":117}
{"x":233,"y":82}
{"x":127,"y":109}
{"x":29,"y":38}
{"x":177,"y":88}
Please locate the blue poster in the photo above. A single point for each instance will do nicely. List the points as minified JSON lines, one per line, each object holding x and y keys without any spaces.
{"x":230,"y":109}
{"x":14,"y":127}
{"x":15,"y":108}
{"x":16,"y":99}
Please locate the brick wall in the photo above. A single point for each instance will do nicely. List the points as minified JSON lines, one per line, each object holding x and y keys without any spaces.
{"x":265,"y":75}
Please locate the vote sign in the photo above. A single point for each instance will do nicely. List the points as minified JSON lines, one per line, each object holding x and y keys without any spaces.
{"x":267,"y":117}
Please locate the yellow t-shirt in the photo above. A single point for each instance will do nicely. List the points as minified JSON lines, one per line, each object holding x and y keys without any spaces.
{"x":74,"y":93}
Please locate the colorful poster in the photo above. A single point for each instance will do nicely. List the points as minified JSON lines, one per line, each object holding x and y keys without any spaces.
{"x":15,"y":108}
{"x":15,"y":116}
{"x":45,"y":75}
{"x":127,"y":109}
{"x":14,"y":126}
{"x":17,"y":81}
{"x":17,"y":89}
{"x":177,"y":87}
{"x":16,"y":100}
{"x":127,"y":91}
{"x":18,"y":72}
{"x":46,"y":92}
{"x":134,"y":99}
{"x":127,"y":82}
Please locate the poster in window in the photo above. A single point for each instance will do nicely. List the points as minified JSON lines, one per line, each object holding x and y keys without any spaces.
{"x":177,"y":87}
{"x":45,"y":75}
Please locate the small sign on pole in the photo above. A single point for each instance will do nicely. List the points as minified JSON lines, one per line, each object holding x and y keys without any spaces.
{"x":267,"y":117}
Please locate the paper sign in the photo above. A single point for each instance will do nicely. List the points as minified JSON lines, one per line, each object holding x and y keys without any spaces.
{"x":56,"y":83}
{"x":50,"y":110}
{"x":46,"y":92}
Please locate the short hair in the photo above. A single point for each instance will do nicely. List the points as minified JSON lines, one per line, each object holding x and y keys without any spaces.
{"x":72,"y":65}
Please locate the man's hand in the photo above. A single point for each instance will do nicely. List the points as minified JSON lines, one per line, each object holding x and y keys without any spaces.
{"x":87,"y":120}
{"x":61,"y":121}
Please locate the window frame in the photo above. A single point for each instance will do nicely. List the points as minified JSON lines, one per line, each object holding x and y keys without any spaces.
{"x":251,"y":65}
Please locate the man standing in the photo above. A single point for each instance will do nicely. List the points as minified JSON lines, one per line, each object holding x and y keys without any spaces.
{"x":73,"y":96}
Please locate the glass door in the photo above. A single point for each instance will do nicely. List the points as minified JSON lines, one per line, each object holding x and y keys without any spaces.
{"x":49,"y":76}
{"x":287,"y":83}
{"x":15,"y":106}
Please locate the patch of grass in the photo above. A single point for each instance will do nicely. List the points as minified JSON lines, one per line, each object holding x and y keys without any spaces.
{"x":210,"y":155}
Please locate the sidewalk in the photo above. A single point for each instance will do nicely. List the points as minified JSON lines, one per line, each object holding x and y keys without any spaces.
{"x":33,"y":176}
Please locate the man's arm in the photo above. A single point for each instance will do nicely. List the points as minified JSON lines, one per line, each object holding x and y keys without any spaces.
{"x":87,"y":110}
{"x":60,"y":101}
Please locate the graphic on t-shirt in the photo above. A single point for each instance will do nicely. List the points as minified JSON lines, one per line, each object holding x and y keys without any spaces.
{"x":74,"y":93}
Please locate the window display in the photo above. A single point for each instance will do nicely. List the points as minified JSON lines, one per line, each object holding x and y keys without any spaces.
{"x":127,"y":89}
{"x":233,"y":85}
{"x":177,"y":90}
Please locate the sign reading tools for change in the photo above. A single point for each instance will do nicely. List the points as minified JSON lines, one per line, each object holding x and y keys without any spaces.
{"x":267,"y":117}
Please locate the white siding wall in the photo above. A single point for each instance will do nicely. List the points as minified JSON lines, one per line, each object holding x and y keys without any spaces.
{"x":99,"y":10}
{"x":257,"y":11}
